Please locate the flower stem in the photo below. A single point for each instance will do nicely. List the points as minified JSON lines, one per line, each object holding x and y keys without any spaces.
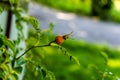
{"x":30,"y":49}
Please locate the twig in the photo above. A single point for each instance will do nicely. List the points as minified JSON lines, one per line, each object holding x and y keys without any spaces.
{"x":30,"y":49}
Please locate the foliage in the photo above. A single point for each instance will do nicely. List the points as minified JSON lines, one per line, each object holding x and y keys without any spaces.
{"x":103,"y":9}
{"x":95,"y":60}
{"x":10,"y":66}
{"x":42,"y":58}
{"x":11,"y":63}
{"x":77,"y":6}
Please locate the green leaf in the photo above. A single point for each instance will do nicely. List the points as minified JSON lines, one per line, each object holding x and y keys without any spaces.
{"x":18,"y":69}
{"x":43,"y":71}
{"x":105,"y":56}
{"x":2,"y":59}
{"x":10,"y":44}
{"x":1,"y":9}
{"x":20,"y":62}
{"x":76,"y":60}
{"x":5,"y":67}
{"x":38,"y":68}
{"x":19,"y":25}
{"x":31,"y":20}
{"x":51,"y":26}
{"x":50,"y":75}
{"x":14,"y":77}
{"x":1,"y":30}
{"x":7,"y":56}
{"x":34,"y":22}
{"x":12,"y":1}
{"x":1,"y":73}
{"x":1,"y":42}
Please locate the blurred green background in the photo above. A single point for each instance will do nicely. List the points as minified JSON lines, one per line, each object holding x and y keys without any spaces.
{"x":104,"y":9}
{"x":97,"y":61}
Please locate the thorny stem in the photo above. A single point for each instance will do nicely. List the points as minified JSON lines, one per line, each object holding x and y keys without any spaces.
{"x":49,"y":44}
{"x":30,"y":49}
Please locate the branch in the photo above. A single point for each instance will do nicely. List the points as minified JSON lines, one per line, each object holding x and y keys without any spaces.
{"x":30,"y":49}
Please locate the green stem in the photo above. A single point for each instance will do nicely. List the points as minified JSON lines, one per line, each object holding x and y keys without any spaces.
{"x":30,"y":49}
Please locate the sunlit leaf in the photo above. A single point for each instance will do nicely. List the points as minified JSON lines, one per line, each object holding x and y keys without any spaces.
{"x":34,"y":22}
{"x":76,"y":60}
{"x":12,"y":1}
{"x":31,"y":20}
{"x":4,"y":67}
{"x":14,"y":77}
{"x":2,"y":50}
{"x":10,"y":44}
{"x":50,"y":75}
{"x":1,"y":9}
